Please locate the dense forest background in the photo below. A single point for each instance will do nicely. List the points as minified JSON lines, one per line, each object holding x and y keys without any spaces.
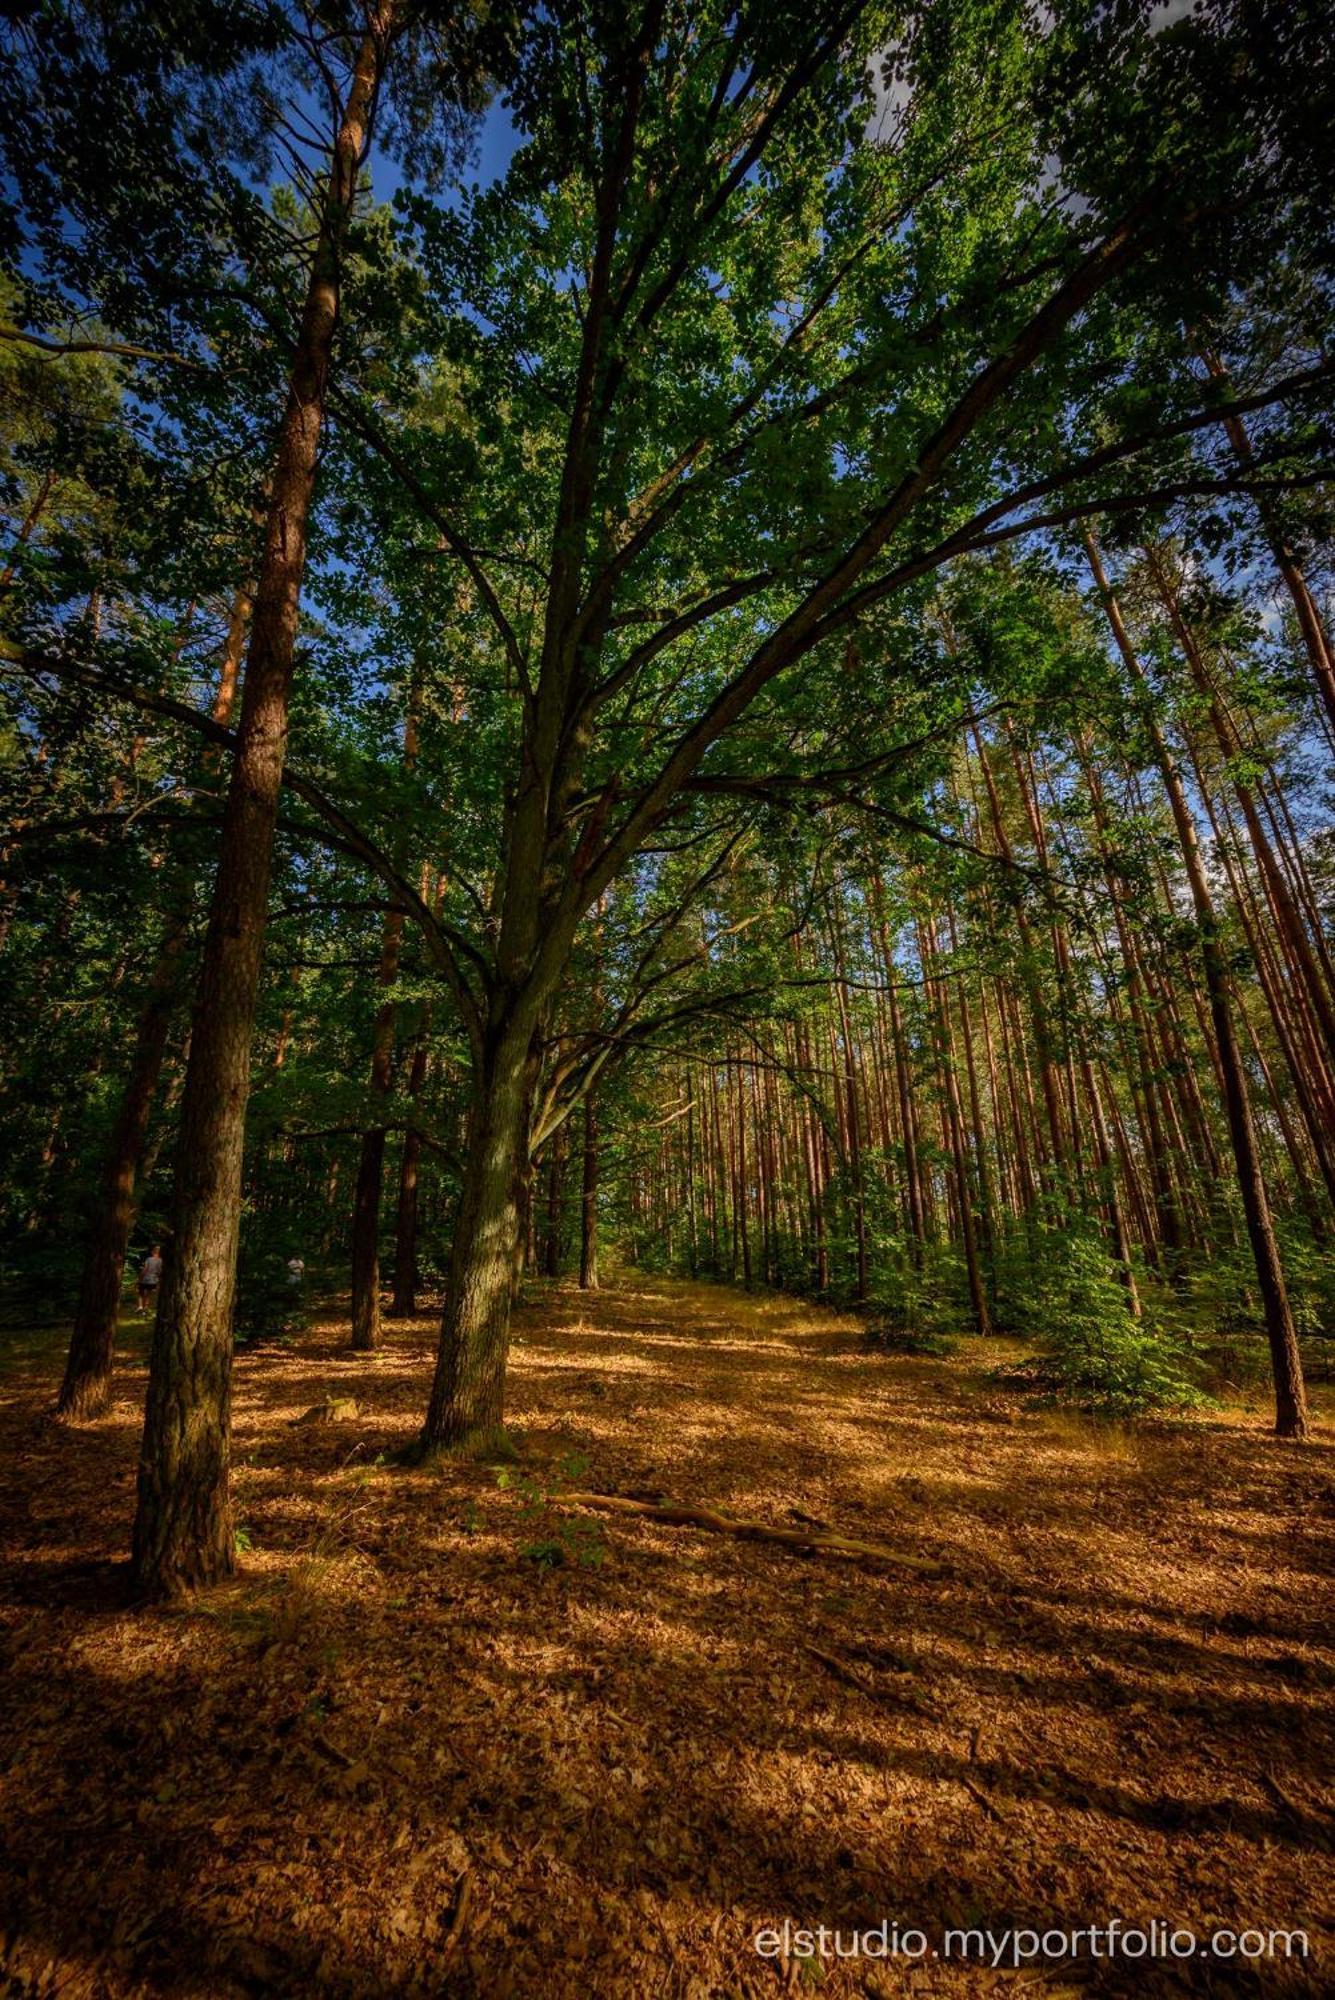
{"x":689,"y":634}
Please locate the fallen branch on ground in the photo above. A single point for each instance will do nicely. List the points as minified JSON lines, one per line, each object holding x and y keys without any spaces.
{"x":842,"y":1671}
{"x":672,"y":1514}
{"x":463,"y":1903}
{"x":980,"y":1798}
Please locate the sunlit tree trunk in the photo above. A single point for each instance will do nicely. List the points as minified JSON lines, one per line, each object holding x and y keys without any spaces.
{"x":1286,"y":1364}
{"x":1315,"y":638}
{"x":468,"y":1390}
{"x":1288,"y":920}
{"x":982,"y":1316}
{"x":27,"y":527}
{"x":183,"y":1525}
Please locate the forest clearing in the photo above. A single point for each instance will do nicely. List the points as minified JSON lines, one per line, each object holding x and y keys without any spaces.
{"x":1110,"y":1692}
{"x":667,"y":997}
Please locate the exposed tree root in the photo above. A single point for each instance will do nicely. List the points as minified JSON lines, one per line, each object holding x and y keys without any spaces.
{"x":674,"y":1514}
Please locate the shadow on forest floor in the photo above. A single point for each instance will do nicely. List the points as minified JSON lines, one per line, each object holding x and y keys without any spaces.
{"x":398,"y":1755}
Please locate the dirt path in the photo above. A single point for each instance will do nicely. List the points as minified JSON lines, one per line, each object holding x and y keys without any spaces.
{"x":401,"y":1756}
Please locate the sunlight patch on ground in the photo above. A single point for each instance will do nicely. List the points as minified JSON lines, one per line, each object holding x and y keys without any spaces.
{"x":1112,"y":1694}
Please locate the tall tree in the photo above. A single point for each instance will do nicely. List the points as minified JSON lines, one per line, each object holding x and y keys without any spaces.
{"x":183,"y":1532}
{"x":1285,"y":1360}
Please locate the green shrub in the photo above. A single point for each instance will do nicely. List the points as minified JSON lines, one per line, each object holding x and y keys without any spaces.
{"x":1092,"y":1354}
{"x":884,"y":1337}
{"x":269,"y":1306}
{"x":918,"y":1307}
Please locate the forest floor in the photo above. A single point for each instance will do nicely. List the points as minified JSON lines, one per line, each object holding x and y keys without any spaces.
{"x":400,"y":1755}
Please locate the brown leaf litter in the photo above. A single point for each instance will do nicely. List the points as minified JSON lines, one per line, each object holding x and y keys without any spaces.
{"x":399,"y":1755}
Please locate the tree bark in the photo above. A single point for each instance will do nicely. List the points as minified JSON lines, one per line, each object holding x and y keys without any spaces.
{"x":588,"y":1207}
{"x":1285,"y":1360}
{"x":369,"y":1187}
{"x":954,"y":1118}
{"x":405,"y":1226}
{"x":371,"y":1160}
{"x":183,"y":1525}
{"x":86,"y":1389}
{"x":1316,"y":640}
{"x":468,"y":1391}
{"x":551,"y":1242}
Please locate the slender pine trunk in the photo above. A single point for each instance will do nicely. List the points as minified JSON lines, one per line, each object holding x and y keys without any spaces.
{"x":1285,"y":1360}
{"x":405,"y":1225}
{"x":86,"y":1389}
{"x":588,"y":1205}
{"x":369,"y":1186}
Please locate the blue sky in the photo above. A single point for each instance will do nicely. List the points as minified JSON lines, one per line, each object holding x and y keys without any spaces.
{"x":497,"y":140}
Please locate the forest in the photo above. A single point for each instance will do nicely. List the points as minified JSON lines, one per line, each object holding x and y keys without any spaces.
{"x":667,"y":965}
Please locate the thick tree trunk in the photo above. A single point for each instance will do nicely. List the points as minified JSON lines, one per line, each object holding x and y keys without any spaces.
{"x":1285,"y":1360}
{"x":183,"y":1525}
{"x":86,"y":1389}
{"x":588,"y":1204}
{"x":468,"y":1392}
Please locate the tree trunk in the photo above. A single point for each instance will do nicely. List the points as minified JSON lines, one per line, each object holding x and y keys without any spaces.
{"x":1168,"y":1229}
{"x":691,"y":1215}
{"x":468,"y":1393}
{"x":954,"y":1117}
{"x":739,"y":1201}
{"x":36,"y":509}
{"x":86,"y":1389}
{"x":405,"y":1227}
{"x":588,"y":1207}
{"x":371,"y":1164}
{"x":1289,"y":924}
{"x":371,"y":1161}
{"x":366,"y":1197}
{"x":1316,"y":640}
{"x":556,"y":1160}
{"x":526,"y":1230}
{"x":183,"y":1525}
{"x":1029,"y":967}
{"x":1286,"y":1363}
